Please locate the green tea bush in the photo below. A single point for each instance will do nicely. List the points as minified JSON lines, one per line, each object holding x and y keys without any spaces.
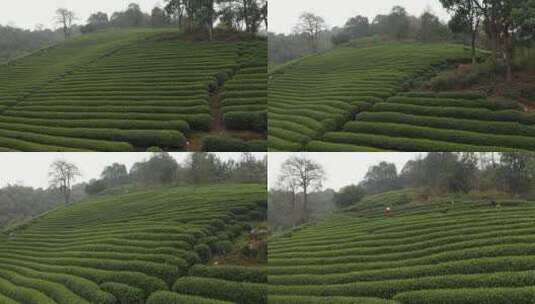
{"x":166,"y":297}
{"x":230,"y":273}
{"x":124,"y":293}
{"x":236,"y":292}
{"x":204,"y":252}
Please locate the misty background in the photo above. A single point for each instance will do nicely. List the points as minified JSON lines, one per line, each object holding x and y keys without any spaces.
{"x":15,"y":13}
{"x":284,"y":14}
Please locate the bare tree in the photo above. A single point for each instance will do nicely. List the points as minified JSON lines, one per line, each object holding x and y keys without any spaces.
{"x":62,"y":174}
{"x":65,"y":19}
{"x":302,"y":173}
{"x":311,"y":25}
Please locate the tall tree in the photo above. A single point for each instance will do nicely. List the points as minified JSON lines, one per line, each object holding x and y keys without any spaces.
{"x":114,"y":174}
{"x":466,"y":18}
{"x":310,"y":26}
{"x":98,"y":19}
{"x":517,"y":171}
{"x":158,"y":17}
{"x":380,"y":178}
{"x":65,"y":19}
{"x":307,"y":175}
{"x":62,"y":175}
{"x":398,"y":23}
{"x":161,"y":168}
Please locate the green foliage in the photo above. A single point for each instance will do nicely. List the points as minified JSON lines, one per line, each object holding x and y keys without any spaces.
{"x":124,"y":293}
{"x":476,"y":296}
{"x":119,"y":248}
{"x":204,"y":252}
{"x":471,"y":254}
{"x":95,"y":187}
{"x":230,"y":273}
{"x":166,"y":297}
{"x":91,"y":92}
{"x":230,"y":144}
{"x":348,"y":196}
{"x":236,"y":292}
{"x":319,"y":94}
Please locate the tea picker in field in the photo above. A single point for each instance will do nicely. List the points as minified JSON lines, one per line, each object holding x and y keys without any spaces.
{"x":388,"y":212}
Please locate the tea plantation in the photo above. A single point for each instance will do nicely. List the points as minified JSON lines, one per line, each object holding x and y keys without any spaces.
{"x":460,"y":253}
{"x":354,"y":98}
{"x":142,"y":247}
{"x":123,"y":90}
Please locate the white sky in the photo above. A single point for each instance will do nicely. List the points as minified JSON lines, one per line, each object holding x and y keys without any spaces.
{"x":342,"y":168}
{"x":27,"y":14}
{"x":283,"y":14}
{"x":31,"y":169}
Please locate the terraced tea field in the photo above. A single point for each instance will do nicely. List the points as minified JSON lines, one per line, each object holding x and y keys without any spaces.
{"x":141,"y":247}
{"x":320,"y":93}
{"x":419,"y":121}
{"x":354,"y":99}
{"x":245,"y":97}
{"x":121,"y":91}
{"x":468,"y":253}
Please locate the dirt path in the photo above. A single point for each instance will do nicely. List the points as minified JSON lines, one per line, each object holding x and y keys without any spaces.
{"x":195,"y":139}
{"x":218,"y":125}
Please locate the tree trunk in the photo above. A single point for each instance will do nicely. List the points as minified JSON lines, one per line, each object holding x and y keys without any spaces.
{"x":294,"y":211}
{"x":305,"y":205}
{"x":211,"y":31}
{"x":246,"y":15}
{"x":211,"y":21}
{"x":508,"y":56}
{"x":474,"y":37}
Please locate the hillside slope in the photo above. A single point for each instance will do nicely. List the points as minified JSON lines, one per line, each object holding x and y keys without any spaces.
{"x":357,"y":98}
{"x":465,"y":252}
{"x":124,"y":248}
{"x":118,"y":90}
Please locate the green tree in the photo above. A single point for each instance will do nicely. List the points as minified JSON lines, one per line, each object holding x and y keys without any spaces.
{"x":398,"y":23}
{"x":115,"y":174}
{"x":348,"y":196}
{"x":431,"y":29}
{"x":160,"y":168}
{"x":158,"y":17}
{"x":380,"y":178}
{"x":516,"y":171}
{"x":466,"y":18}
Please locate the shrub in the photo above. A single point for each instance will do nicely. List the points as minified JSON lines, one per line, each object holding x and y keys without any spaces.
{"x":524,"y":295}
{"x":204,"y":252}
{"x":166,"y":297}
{"x":230,"y":273}
{"x":256,"y":121}
{"x":455,"y":136}
{"x":124,"y":293}
{"x":223,"y":247}
{"x":237,"y":292}
{"x":95,"y":187}
{"x":348,"y":196}
{"x":230,"y":144}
